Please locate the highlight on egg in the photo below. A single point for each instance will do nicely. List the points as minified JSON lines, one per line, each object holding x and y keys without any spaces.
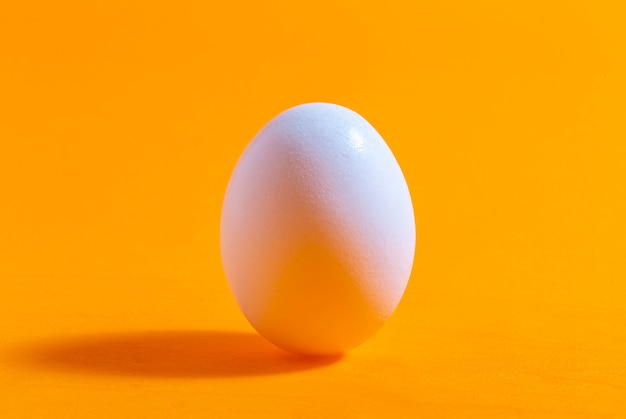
{"x":317,"y":233}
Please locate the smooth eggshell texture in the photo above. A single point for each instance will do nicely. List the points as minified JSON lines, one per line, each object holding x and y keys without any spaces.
{"x":317,"y":230}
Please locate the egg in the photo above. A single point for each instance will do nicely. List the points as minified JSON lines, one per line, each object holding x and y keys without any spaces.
{"x":317,"y":232}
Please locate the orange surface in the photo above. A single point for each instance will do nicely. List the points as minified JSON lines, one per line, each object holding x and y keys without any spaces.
{"x":121,"y":121}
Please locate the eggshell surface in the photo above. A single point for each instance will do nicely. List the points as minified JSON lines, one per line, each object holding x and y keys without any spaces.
{"x":317,"y":230}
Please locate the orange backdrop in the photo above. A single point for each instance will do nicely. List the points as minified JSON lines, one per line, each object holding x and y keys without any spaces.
{"x":120,"y":123}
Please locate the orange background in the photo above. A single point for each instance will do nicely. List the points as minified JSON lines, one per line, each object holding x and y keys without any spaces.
{"x":120,"y":123}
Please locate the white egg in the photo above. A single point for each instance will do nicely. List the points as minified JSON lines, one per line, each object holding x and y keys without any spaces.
{"x":317,"y":230}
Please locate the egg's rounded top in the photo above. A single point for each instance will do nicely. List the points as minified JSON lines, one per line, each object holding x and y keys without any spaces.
{"x":317,"y":230}
{"x":325,"y":127}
